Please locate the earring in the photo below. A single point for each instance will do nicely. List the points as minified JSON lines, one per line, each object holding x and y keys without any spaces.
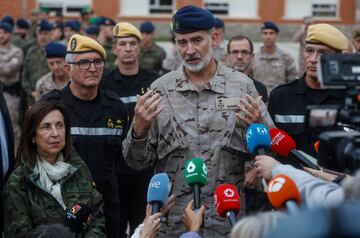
{"x":33,"y":141}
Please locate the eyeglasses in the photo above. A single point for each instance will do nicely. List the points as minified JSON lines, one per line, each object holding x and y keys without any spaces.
{"x":86,"y":64}
{"x":242,"y":52}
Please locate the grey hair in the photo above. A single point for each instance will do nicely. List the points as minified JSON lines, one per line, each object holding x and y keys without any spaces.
{"x":257,"y":225}
{"x":69,"y":57}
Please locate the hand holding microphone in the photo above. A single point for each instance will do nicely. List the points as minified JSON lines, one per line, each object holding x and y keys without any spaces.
{"x":193,"y":219}
{"x":227,"y":202}
{"x":283,"y":193}
{"x":158,"y":191}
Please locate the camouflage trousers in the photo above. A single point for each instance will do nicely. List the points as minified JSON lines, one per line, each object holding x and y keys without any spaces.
{"x":13,"y":103}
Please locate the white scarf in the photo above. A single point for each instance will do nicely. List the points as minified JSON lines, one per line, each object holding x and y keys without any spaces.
{"x":51,"y":175}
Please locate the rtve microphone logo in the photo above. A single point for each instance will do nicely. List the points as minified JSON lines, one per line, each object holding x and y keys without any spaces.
{"x":155,"y":184}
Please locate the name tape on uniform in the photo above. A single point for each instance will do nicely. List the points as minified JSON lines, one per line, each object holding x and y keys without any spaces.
{"x":227,"y":103}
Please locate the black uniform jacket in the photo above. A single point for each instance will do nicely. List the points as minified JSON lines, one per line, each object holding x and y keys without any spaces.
{"x":287,"y":107}
{"x":97,"y":139}
{"x":127,"y":87}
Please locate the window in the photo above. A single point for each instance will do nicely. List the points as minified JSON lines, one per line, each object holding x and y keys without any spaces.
{"x":217,"y":7}
{"x":161,"y":6}
{"x":67,"y":7}
{"x":325,"y":8}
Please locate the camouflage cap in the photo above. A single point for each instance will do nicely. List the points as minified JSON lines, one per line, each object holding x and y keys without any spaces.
{"x":79,"y":44}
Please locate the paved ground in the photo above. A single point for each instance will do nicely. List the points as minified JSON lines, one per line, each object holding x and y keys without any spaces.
{"x":290,"y":47}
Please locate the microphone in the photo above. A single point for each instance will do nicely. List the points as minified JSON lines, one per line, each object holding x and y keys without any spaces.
{"x":158,"y":191}
{"x":195,"y":174}
{"x":227,"y":202}
{"x":78,"y":217}
{"x":257,"y":139}
{"x":282,"y":192}
{"x":285,"y":146}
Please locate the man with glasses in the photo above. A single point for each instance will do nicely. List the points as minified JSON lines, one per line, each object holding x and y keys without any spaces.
{"x":127,"y":80}
{"x":240,"y":56}
{"x":287,"y":103}
{"x":98,"y":120}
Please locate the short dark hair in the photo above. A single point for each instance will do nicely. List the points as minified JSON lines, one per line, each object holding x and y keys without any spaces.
{"x":238,"y":38}
{"x":27,"y":149}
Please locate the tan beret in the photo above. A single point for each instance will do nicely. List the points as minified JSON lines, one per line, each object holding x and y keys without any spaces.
{"x":328,"y":35}
{"x":125,"y":29}
{"x":82,"y":44}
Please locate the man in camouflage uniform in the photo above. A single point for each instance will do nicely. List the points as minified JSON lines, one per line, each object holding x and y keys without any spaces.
{"x":21,"y":33}
{"x":194,"y":112}
{"x":220,"y":50}
{"x":10,"y":61}
{"x":105,"y":39}
{"x":151,"y":55}
{"x":35,"y":65}
{"x":272,"y":66}
{"x":58,"y":77}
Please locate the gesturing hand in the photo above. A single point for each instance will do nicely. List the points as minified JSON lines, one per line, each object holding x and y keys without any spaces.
{"x":249,"y":110}
{"x":146,"y":111}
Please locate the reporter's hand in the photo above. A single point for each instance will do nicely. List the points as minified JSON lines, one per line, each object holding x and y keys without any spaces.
{"x":250,"y":178}
{"x":264,"y":165}
{"x":193,"y":219}
{"x":151,"y":225}
{"x":321,"y":174}
{"x":146,"y":111}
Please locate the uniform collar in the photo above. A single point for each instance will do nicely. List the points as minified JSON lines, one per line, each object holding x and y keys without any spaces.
{"x":301,"y":88}
{"x":216,"y":84}
{"x":70,"y":99}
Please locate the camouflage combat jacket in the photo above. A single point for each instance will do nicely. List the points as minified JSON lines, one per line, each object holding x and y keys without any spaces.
{"x":10,"y":61}
{"x":273,"y":70}
{"x":152,"y":58}
{"x":191,"y":125}
{"x":27,"y":205}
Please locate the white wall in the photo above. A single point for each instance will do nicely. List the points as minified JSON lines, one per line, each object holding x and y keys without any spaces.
{"x":66,"y":2}
{"x":297,"y":9}
{"x":134,"y":7}
{"x":243,"y":8}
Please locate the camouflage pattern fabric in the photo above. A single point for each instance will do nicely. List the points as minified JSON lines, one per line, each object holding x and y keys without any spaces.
{"x":273,"y":70}
{"x":152,"y":58}
{"x":44,"y":85}
{"x":27,"y":205}
{"x":192,"y":126}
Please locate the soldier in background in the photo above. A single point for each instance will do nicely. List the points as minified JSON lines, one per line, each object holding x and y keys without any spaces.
{"x":151,"y":54}
{"x":11,"y":58}
{"x":58,"y":77}
{"x":272,"y":66}
{"x":57,"y":32}
{"x":92,"y":32}
{"x":105,"y":39}
{"x":128,"y":79}
{"x":356,"y":40}
{"x":300,"y":37}
{"x":35,"y":65}
{"x":220,"y":50}
{"x":71,"y":28}
{"x":184,"y":116}
{"x":21,"y":33}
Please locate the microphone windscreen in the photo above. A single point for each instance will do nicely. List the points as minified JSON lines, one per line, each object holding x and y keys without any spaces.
{"x":159,"y":188}
{"x":281,"y":189}
{"x":195,"y":172}
{"x":78,"y":217}
{"x":257,"y":136}
{"x":226,"y":199}
{"x":281,"y":143}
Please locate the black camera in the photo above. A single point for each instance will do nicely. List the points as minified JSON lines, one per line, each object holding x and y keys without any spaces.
{"x":339,"y":150}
